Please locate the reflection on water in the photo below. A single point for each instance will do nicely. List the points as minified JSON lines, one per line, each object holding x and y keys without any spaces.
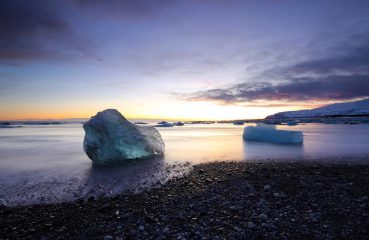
{"x":47,"y":163}
{"x":264,"y":151}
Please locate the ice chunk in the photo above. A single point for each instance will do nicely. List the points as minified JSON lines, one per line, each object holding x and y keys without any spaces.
{"x":291,"y":123}
{"x":269,"y":133}
{"x":6,"y":126}
{"x":112,"y":139}
{"x":178,"y":124}
{"x":141,"y":123}
{"x":164,"y":124}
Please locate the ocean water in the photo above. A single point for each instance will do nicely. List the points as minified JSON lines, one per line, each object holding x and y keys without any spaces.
{"x":41,"y":164}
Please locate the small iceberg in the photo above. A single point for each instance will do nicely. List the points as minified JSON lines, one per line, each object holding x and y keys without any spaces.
{"x":291,"y":123}
{"x":40,"y":123}
{"x":178,"y":124}
{"x":164,"y":124}
{"x":7,"y":126}
{"x":269,"y":133}
{"x":141,"y":123}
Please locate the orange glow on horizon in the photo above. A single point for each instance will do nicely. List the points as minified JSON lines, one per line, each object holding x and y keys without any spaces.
{"x":152,"y":110}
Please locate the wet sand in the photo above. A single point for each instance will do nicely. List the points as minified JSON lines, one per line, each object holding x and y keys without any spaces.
{"x":223,"y":200}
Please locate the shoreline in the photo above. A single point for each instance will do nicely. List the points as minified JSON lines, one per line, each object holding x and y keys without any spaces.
{"x":232,"y":200}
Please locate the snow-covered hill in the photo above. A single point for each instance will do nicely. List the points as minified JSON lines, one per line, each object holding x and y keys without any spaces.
{"x":337,"y":109}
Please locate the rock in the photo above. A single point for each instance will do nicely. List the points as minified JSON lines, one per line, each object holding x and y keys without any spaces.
{"x":267,"y":187}
{"x":251,"y":225}
{"x":263,"y":217}
{"x":208,"y":180}
{"x":112,"y":139}
{"x":90,"y":199}
{"x":2,"y":203}
{"x":141,"y":228}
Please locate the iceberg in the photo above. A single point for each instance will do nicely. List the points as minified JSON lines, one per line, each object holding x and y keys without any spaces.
{"x":6,"y":126}
{"x":178,"y":124}
{"x":112,"y":139}
{"x":291,"y":123}
{"x":141,"y":123}
{"x":269,"y":133}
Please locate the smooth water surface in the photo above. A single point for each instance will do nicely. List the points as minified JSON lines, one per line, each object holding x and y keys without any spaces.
{"x":47,"y":163}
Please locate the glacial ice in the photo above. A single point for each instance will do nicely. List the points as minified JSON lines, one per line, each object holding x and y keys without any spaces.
{"x":111,"y":139}
{"x":269,"y":133}
{"x":291,"y":123}
{"x":178,"y":124}
{"x":7,"y":126}
{"x":164,"y":124}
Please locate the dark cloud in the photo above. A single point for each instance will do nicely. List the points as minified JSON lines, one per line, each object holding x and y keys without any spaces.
{"x":349,"y":57}
{"x":303,"y":89}
{"x":41,"y":29}
{"x":30,"y":18}
{"x":32,"y":30}
{"x":23,"y":27}
{"x":342,"y":74}
{"x":122,"y":8}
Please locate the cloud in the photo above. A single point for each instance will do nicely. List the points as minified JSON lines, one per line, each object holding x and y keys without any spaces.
{"x":20,"y":17}
{"x":36,"y":30}
{"x":122,"y":8}
{"x":348,"y":58}
{"x":341,"y":74}
{"x":46,"y":29}
{"x":23,"y":25}
{"x":303,"y":89}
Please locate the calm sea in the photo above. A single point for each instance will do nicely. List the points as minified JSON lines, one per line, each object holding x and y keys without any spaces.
{"x":40,"y":164}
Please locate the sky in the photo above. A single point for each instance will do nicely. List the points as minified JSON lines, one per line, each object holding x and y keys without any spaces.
{"x":163,"y":59}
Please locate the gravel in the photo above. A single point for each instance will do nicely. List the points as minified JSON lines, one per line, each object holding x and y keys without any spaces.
{"x":224,"y":200}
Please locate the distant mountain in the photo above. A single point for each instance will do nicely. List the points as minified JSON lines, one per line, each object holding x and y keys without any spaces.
{"x":357,"y":108}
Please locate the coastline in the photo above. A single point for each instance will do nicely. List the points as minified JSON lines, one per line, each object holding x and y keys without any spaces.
{"x":231,"y":200}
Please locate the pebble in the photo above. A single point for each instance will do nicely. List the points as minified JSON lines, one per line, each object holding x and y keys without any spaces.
{"x":3,"y":203}
{"x":251,"y":225}
{"x":263,"y":217}
{"x":276,"y":195}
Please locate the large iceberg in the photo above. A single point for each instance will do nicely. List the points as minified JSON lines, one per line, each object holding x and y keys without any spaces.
{"x":269,"y":133}
{"x":112,"y":139}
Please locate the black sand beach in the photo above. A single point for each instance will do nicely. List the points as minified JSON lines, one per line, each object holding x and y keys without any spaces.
{"x":224,"y":200}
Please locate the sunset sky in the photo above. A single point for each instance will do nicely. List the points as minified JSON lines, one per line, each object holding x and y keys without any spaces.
{"x":164,"y":59}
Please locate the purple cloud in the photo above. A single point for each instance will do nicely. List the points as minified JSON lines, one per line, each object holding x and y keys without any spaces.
{"x":343,"y":74}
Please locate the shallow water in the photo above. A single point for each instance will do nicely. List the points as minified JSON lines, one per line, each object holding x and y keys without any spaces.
{"x":41,"y":164}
